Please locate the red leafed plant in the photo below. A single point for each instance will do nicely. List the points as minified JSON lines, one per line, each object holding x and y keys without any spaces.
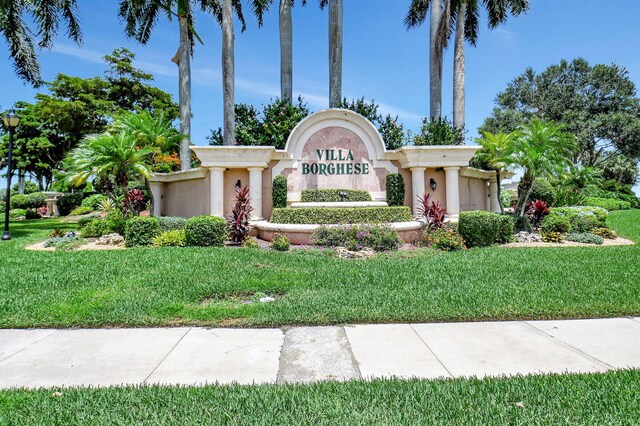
{"x":536,"y":211}
{"x":432,"y":211}
{"x":238,"y":221}
{"x":136,"y":200}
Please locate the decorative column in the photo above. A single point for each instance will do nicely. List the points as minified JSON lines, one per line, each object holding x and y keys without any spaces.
{"x":217,"y":191}
{"x":51,"y":198}
{"x":417,"y":185}
{"x":156,"y":194}
{"x":453,"y":190}
{"x":255,"y":191}
{"x":493,"y":197}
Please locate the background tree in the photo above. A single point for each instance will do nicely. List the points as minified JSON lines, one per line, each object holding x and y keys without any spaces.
{"x":597,"y":104}
{"x":46,"y":16}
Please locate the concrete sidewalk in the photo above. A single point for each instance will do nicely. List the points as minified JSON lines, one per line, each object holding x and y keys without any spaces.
{"x":192,"y":356}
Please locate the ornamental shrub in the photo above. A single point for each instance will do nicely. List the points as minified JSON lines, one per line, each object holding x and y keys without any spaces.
{"x":280,"y":243}
{"x":605,"y":233}
{"x":522,"y":224}
{"x":250,"y":243}
{"x":357,"y":237}
{"x":585,"y":223}
{"x":32,"y":214}
{"x":333,"y":195}
{"x":395,"y":189}
{"x":206,"y":231}
{"x":36,"y":200}
{"x":95,"y":228}
{"x":586,"y":238}
{"x":607,"y":203}
{"x":175,"y":238}
{"x":116,"y":221}
{"x":140,"y":231}
{"x":325,"y":216}
{"x":555,"y":223}
{"x":68,"y":202}
{"x":171,"y":223}
{"x":14,"y":213}
{"x":444,"y":239}
{"x":552,"y":237}
{"x":79,"y":211}
{"x":20,"y":201}
{"x":598,"y":212}
{"x":481,"y":228}
{"x":93,"y":201}
{"x":543,"y":190}
{"x":279,"y":192}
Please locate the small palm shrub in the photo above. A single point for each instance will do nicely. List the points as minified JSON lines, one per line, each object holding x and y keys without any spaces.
{"x":444,"y":239}
{"x":552,"y":237}
{"x":238,"y":222}
{"x":93,"y":201}
{"x":606,"y":233}
{"x":585,"y":237}
{"x":140,"y":231}
{"x":206,"y":231}
{"x":395,"y":189}
{"x":171,"y":223}
{"x":279,"y":192}
{"x":555,"y":223}
{"x":357,"y":237}
{"x":175,"y":238}
{"x":280,"y":243}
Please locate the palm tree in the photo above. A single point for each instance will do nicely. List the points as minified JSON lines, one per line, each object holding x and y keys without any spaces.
{"x":46,"y":16}
{"x":335,"y":51}
{"x":494,"y":155}
{"x":541,"y":149}
{"x":149,"y":130}
{"x":286,"y":50}
{"x":116,"y":155}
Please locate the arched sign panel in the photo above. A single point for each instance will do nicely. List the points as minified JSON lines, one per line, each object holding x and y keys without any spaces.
{"x":335,"y":149}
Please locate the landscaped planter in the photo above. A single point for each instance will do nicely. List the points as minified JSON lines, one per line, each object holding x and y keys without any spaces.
{"x":301,"y":234}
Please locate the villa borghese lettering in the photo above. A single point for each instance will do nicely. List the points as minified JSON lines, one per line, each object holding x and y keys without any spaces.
{"x":335,"y":162}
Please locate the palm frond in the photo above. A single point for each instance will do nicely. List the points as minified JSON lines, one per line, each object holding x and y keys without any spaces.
{"x":417,"y":13}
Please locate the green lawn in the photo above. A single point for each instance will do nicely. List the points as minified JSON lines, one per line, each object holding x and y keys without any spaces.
{"x":599,"y":399}
{"x":173,"y":286}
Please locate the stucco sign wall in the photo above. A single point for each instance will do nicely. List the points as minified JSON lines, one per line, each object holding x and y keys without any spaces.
{"x":335,"y":149}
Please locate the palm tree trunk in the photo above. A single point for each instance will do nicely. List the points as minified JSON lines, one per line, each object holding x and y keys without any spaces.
{"x":286,"y":51}
{"x":229,"y":137}
{"x":184,"y":93}
{"x":499,"y":194}
{"x":335,"y":53}
{"x":435,"y":61}
{"x":21,"y":181}
{"x":458,"y":69}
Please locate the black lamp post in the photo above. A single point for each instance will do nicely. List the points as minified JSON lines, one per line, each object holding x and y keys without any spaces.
{"x":11,"y":121}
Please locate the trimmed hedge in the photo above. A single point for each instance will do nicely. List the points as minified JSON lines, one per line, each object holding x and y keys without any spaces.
{"x":206,"y":231}
{"x":68,"y":202}
{"x":171,"y":223}
{"x":326,"y":216}
{"x":578,"y":211}
{"x":607,"y":203}
{"x":333,"y":195}
{"x":555,"y":223}
{"x":358,"y":237}
{"x":279,"y":192}
{"x":543,"y":190}
{"x":481,"y":228}
{"x":140,"y":231}
{"x":395,"y":189}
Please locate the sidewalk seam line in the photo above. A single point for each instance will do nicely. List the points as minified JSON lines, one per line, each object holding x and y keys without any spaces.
{"x":167,"y":355}
{"x":431,"y":350}
{"x":354,"y":360}
{"x":562,"y":342}
{"x":29,"y":345}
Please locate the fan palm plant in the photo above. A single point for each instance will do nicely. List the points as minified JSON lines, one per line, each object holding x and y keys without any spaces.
{"x":46,"y":16}
{"x":149,"y":130}
{"x":494,"y":154}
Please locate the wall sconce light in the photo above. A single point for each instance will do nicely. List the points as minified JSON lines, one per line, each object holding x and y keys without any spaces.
{"x":238,"y":185}
{"x":433,"y":184}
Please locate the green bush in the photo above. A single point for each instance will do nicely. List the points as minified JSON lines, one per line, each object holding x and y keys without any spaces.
{"x":581,"y":224}
{"x":607,"y":203}
{"x":205,"y":231}
{"x":444,"y":239}
{"x":15,"y":213}
{"x":250,"y":243}
{"x":571,"y":212}
{"x":140,"y":231}
{"x":20,"y":201}
{"x":395,"y":189}
{"x":522,"y":223}
{"x":79,"y":211}
{"x":333,"y":195}
{"x":174,"y":238}
{"x":32,"y":214}
{"x":606,"y":233}
{"x":95,"y":228}
{"x":555,"y":223}
{"x":171,"y":223}
{"x":279,"y":192}
{"x":68,"y":202}
{"x":481,"y":228}
{"x":553,"y":237}
{"x":93,"y":201}
{"x":3,"y":205}
{"x":325,"y":216}
{"x":280,"y":243}
{"x":357,"y":237}
{"x":116,"y":221}
{"x":543,"y":190}
{"x":586,"y":238}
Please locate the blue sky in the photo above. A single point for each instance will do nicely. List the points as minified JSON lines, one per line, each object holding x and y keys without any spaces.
{"x":382,"y":60}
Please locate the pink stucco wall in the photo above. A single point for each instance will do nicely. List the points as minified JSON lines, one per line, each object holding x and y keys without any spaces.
{"x":473,"y":194}
{"x":186,"y":198}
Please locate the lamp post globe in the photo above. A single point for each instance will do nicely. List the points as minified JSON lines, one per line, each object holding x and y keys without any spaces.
{"x":11,"y":120}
